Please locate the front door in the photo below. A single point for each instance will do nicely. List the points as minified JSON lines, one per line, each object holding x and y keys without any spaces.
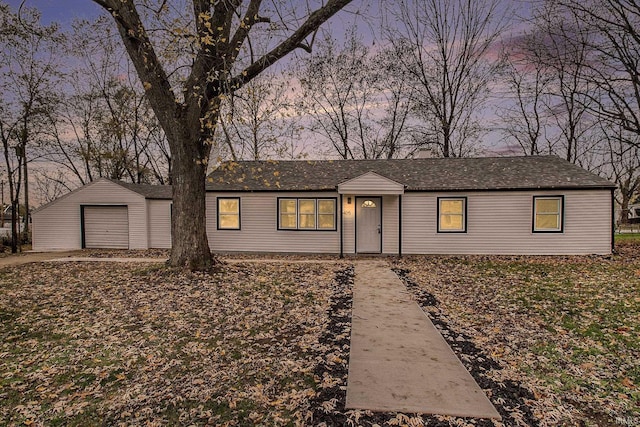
{"x":369,"y":225}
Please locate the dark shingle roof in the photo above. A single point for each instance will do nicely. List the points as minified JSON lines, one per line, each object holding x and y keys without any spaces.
{"x":149,"y":191}
{"x":450,"y":174}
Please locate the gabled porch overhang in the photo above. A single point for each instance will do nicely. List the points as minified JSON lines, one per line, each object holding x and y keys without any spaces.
{"x":371,"y":184}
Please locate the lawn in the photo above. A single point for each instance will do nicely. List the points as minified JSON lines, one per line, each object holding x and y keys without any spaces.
{"x":552,"y":340}
{"x":565,"y":328}
{"x":627,"y":237}
{"x":90,"y":344}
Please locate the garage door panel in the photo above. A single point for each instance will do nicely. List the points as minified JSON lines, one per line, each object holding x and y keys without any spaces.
{"x":106,"y":227}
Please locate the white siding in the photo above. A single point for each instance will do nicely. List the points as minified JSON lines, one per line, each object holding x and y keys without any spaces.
{"x":159,"y":217}
{"x":57,"y":225}
{"x":259,"y":227}
{"x":371,"y":183}
{"x":501,"y":223}
{"x":349,"y":223}
{"x":390,"y":224}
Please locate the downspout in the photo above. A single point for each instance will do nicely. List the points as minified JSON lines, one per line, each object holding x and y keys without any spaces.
{"x":341,"y":228}
{"x":400,"y":226}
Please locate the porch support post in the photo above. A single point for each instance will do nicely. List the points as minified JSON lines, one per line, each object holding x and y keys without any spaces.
{"x":400,"y":225}
{"x":341,"y":210}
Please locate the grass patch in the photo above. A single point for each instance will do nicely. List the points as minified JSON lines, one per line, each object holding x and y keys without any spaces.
{"x":627,"y":237}
{"x":92,"y":345}
{"x":567,"y":327}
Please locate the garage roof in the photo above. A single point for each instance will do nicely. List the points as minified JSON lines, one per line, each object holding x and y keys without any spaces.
{"x":439,"y":174}
{"x":148,"y":191}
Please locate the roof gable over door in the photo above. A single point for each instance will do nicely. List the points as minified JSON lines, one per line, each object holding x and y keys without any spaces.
{"x":370,"y":183}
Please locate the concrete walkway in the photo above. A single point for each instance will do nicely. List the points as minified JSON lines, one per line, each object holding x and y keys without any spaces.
{"x":109,"y":259}
{"x":398,"y":361}
{"x":29,"y":257}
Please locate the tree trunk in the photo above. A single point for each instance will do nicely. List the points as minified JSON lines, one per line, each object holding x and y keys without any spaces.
{"x":189,"y":248}
{"x":14,"y":225}
{"x":624,"y":207}
{"x":25,"y":236}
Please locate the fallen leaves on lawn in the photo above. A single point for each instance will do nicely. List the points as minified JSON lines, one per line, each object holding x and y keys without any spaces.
{"x":565,"y":328}
{"x":93,"y":343}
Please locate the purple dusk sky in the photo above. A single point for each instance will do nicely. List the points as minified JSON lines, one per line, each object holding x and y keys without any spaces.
{"x":64,"y":11}
{"x":61,"y":11}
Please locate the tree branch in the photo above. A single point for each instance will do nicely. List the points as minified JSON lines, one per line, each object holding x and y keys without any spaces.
{"x":144,"y":58}
{"x":294,"y":41}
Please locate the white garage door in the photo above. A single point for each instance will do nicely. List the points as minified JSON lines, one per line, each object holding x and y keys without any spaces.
{"x":106,"y":227}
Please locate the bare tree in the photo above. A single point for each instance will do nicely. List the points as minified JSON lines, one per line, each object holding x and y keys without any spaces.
{"x":614,"y":29}
{"x":355,"y":100}
{"x":50,"y":184}
{"x":564,"y":48}
{"x":257,"y":121}
{"x":335,"y":93}
{"x":621,"y":150}
{"x":548,"y":76}
{"x":105,"y":126}
{"x":27,"y":77}
{"x":193,"y":58}
{"x":523,"y":114}
{"x":449,"y":44}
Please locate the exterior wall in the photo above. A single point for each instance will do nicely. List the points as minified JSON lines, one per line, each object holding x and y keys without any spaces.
{"x":159,"y":220}
{"x":349,"y":223}
{"x":57,"y":225}
{"x":390,"y":220}
{"x":501,"y":223}
{"x":259,"y":226}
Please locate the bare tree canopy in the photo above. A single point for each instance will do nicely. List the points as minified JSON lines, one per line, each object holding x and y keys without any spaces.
{"x":357,"y":100}
{"x":29,"y":54}
{"x":189,"y":56}
{"x":614,"y":41}
{"x":104,"y":126}
{"x":258,"y":121}
{"x":448,"y":45}
{"x":547,"y":73}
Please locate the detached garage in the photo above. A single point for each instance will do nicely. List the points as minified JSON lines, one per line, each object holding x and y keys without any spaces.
{"x":105,"y":214}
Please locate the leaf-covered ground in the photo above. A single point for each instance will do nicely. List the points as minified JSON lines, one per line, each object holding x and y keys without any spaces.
{"x":552,"y":340}
{"x":565,"y":328}
{"x":94,"y":343}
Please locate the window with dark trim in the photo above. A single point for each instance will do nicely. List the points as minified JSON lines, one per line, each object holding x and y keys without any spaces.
{"x":452,"y":214}
{"x":228,"y":213}
{"x":307,"y":214}
{"x":548,"y":212}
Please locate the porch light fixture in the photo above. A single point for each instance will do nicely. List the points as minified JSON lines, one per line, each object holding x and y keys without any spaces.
{"x":348,"y":200}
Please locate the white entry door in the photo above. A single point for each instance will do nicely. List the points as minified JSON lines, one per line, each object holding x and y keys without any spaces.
{"x":369,"y":225}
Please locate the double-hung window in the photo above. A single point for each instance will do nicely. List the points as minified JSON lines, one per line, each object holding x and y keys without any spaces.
{"x":548,"y":214}
{"x":452,"y":214}
{"x":306,"y":214}
{"x":228,"y":213}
